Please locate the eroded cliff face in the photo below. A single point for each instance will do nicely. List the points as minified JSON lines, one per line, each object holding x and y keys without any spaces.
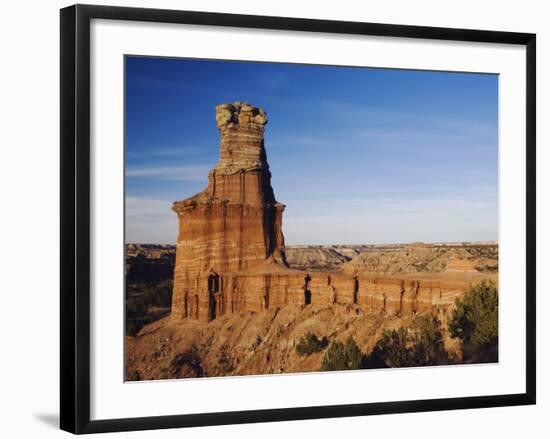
{"x":234,"y":224}
{"x":230,"y":255}
{"x":254,"y":343}
{"x":248,"y":342}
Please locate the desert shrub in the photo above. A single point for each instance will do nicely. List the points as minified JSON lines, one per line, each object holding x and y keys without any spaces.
{"x":159,"y":295}
{"x":342,"y":356}
{"x":475,"y":323}
{"x":139,"y":307}
{"x":133,"y":326}
{"x":187,"y":364}
{"x":420,"y":345}
{"x":390,"y":351}
{"x":133,"y":375}
{"x":310,"y":343}
{"x":428,"y":347}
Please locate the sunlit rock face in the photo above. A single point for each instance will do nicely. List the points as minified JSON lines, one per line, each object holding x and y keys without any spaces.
{"x":234,"y":224}
{"x":230,"y":253}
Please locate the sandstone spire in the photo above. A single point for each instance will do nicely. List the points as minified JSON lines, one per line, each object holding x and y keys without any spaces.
{"x":235,"y":223}
{"x":230,"y":249}
{"x":242,"y":154}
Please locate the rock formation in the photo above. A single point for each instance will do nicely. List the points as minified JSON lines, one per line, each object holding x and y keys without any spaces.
{"x":426,"y":258}
{"x":238,"y":308}
{"x":230,"y":254}
{"x":234,"y":224}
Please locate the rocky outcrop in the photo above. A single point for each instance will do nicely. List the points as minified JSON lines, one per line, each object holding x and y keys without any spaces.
{"x":471,"y":256}
{"x":234,"y":224}
{"x":315,"y":257}
{"x":245,"y":343}
{"x":426,"y":258}
{"x":238,"y":308}
{"x":230,"y":254}
{"x":461,"y":265}
{"x":251,"y":343}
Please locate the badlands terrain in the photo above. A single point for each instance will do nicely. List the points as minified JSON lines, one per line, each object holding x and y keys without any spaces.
{"x":379,"y":258}
{"x":266,"y":342}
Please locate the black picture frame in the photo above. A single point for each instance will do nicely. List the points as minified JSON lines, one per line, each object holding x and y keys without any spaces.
{"x":75,"y":217}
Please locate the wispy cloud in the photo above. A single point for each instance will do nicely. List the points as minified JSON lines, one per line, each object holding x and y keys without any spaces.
{"x":147,"y":208}
{"x":406,"y":134}
{"x":392,"y":220}
{"x":175,"y":151}
{"x":150,"y":220}
{"x":386,"y":119}
{"x":146,"y":151}
{"x":185,"y":173}
{"x":361,"y":160}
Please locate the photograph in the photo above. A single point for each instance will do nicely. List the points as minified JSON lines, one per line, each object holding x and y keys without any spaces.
{"x":288,"y":218}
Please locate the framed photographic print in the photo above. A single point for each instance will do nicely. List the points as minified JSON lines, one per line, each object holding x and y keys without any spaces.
{"x":268,"y":218}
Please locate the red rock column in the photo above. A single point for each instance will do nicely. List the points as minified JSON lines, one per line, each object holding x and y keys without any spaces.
{"x":234,"y":224}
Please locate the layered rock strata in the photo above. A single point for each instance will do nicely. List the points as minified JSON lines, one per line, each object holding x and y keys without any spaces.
{"x":234,"y":224}
{"x":230,"y":250}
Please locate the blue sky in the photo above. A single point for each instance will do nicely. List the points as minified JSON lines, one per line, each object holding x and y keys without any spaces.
{"x":358,"y":155}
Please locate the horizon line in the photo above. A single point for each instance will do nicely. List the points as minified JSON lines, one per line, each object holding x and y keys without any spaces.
{"x":479,"y":242}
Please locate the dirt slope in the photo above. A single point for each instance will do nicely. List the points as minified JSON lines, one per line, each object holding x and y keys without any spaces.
{"x":247,"y":343}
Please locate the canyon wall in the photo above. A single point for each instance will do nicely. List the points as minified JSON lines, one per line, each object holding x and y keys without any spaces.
{"x":263,"y":291}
